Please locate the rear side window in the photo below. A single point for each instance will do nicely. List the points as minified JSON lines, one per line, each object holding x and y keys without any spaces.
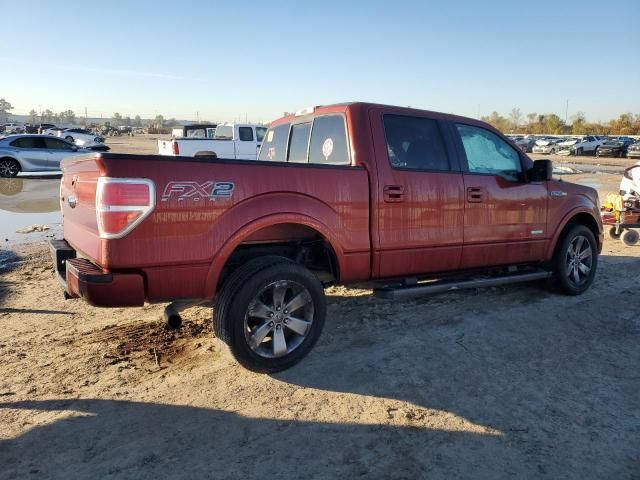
{"x":298,"y":142}
{"x":329,"y":141}
{"x":260,"y":131}
{"x":28,"y":142}
{"x":55,"y":144}
{"x":275,"y":144}
{"x":415,"y":143}
{"x":487,"y":153}
{"x":224,"y":132}
{"x":245,"y":134}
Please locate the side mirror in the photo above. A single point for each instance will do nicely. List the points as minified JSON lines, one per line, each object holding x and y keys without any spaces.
{"x":542,"y":171}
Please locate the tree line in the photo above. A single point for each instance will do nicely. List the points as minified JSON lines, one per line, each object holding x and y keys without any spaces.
{"x":68,"y":117}
{"x":551,"y":123}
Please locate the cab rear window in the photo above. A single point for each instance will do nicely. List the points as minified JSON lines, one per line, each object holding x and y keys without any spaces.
{"x":274,"y":144}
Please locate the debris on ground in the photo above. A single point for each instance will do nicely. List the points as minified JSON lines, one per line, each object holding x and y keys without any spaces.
{"x":36,"y":227}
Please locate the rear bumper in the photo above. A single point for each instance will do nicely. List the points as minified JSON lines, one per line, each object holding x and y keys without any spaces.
{"x":82,"y":278}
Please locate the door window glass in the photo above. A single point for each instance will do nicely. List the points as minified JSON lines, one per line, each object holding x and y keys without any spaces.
{"x":260,"y":131}
{"x":489,"y":154}
{"x":415,"y":143}
{"x":298,"y":142}
{"x":329,"y":141}
{"x":55,"y":144}
{"x":28,"y":142}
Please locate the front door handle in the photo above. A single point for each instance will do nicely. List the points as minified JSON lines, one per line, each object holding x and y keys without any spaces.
{"x":393,"y":193}
{"x":475,"y":195}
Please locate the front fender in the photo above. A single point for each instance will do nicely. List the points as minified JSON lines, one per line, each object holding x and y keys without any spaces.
{"x":568,"y":216}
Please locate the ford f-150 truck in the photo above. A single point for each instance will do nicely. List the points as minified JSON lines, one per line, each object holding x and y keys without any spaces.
{"x":410,"y":200}
{"x":230,"y":141}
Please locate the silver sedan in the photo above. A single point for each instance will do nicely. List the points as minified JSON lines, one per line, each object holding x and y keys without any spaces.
{"x":34,"y":153}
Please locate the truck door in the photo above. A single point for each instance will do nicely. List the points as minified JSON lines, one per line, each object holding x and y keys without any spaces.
{"x":420,"y":195}
{"x":246,"y":144}
{"x":505,"y":217}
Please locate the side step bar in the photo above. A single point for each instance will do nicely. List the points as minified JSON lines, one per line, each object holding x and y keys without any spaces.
{"x":390,"y":293}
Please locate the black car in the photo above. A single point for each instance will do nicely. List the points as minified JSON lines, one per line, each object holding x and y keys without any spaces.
{"x":616,"y":147}
{"x":28,"y":128}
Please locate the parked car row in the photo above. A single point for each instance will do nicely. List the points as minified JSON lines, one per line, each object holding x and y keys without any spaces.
{"x":36,"y":153}
{"x":597,"y":145}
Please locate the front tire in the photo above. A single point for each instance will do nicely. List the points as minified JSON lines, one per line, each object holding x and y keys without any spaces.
{"x":575,"y":260}
{"x":9,"y":167}
{"x":270,"y":313}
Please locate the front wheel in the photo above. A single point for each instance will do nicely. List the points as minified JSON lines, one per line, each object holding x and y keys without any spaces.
{"x":575,"y":260}
{"x":270,"y":314}
{"x":9,"y":167}
{"x":630,"y":237}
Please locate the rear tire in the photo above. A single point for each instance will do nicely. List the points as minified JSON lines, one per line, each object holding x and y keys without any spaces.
{"x":614,"y":234}
{"x":575,"y":260}
{"x":9,"y":167}
{"x":252,"y":314}
{"x":630,"y":237}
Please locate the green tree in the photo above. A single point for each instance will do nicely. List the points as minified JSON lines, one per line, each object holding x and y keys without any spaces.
{"x":127,"y":121}
{"x":68,"y":117}
{"x":117,"y":119}
{"x":554,"y":124}
{"x":579,"y":124}
{"x":159,"y":121}
{"x":5,"y":109}
{"x":137,"y":121}
{"x":498,"y":121}
{"x":47,"y":116}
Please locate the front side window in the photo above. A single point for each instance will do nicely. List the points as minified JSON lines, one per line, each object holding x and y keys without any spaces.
{"x":260,"y":131}
{"x":329,"y":141}
{"x":415,"y":143}
{"x":245,"y":134}
{"x":28,"y":142}
{"x":274,"y":144}
{"x":487,"y":153}
{"x":298,"y":143}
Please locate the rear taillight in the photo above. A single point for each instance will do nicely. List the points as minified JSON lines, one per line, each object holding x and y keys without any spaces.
{"x":122,"y":203}
{"x":176,"y":148}
{"x":627,"y":172}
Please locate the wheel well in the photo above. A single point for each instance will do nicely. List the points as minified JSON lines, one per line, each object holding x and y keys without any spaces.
{"x":11,"y":158}
{"x":581,"y":219}
{"x":206,"y":154}
{"x":300,"y":243}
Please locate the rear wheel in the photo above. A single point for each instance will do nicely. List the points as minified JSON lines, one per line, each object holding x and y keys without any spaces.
{"x":579,"y":152}
{"x":575,"y":260}
{"x":270,"y":314}
{"x":630,"y":237}
{"x":9,"y":167}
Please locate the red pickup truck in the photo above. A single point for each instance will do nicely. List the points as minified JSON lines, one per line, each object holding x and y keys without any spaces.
{"x":413,"y":201}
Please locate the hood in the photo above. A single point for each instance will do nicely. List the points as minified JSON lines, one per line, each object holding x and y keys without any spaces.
{"x":568,"y":143}
{"x":543,"y":143}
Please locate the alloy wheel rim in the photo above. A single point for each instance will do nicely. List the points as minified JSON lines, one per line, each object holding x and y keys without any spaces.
{"x":8,"y":168}
{"x":579,"y":260}
{"x":278,"y":319}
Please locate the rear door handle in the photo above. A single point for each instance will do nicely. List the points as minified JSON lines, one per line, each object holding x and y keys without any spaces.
{"x":393,"y":193}
{"x":475,"y":195}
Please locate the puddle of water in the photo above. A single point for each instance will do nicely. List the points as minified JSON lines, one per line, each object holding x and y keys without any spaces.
{"x":25,"y":201}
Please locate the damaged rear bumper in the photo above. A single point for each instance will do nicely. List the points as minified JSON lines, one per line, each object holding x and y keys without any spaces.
{"x":82,"y":278}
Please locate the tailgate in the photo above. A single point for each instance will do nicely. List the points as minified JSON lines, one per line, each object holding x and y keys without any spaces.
{"x":165,"y":147}
{"x":78,"y":203}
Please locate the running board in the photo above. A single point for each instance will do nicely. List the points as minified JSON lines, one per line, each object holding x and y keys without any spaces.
{"x":390,"y":293}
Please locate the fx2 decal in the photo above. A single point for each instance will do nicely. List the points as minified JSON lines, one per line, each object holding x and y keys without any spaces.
{"x":184,"y":190}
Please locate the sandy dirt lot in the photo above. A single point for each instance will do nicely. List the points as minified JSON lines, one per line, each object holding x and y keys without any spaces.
{"x":509,"y":382}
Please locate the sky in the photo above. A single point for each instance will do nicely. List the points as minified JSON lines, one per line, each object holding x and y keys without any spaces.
{"x":226,"y":60}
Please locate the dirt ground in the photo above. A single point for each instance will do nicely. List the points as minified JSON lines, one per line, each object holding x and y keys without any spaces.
{"x":509,"y":382}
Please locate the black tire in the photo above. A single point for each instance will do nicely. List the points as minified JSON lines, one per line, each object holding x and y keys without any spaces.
{"x":579,"y":152}
{"x":563,"y":272}
{"x":9,"y":167}
{"x":630,"y":237}
{"x":232,"y":307}
{"x":613,"y":235}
